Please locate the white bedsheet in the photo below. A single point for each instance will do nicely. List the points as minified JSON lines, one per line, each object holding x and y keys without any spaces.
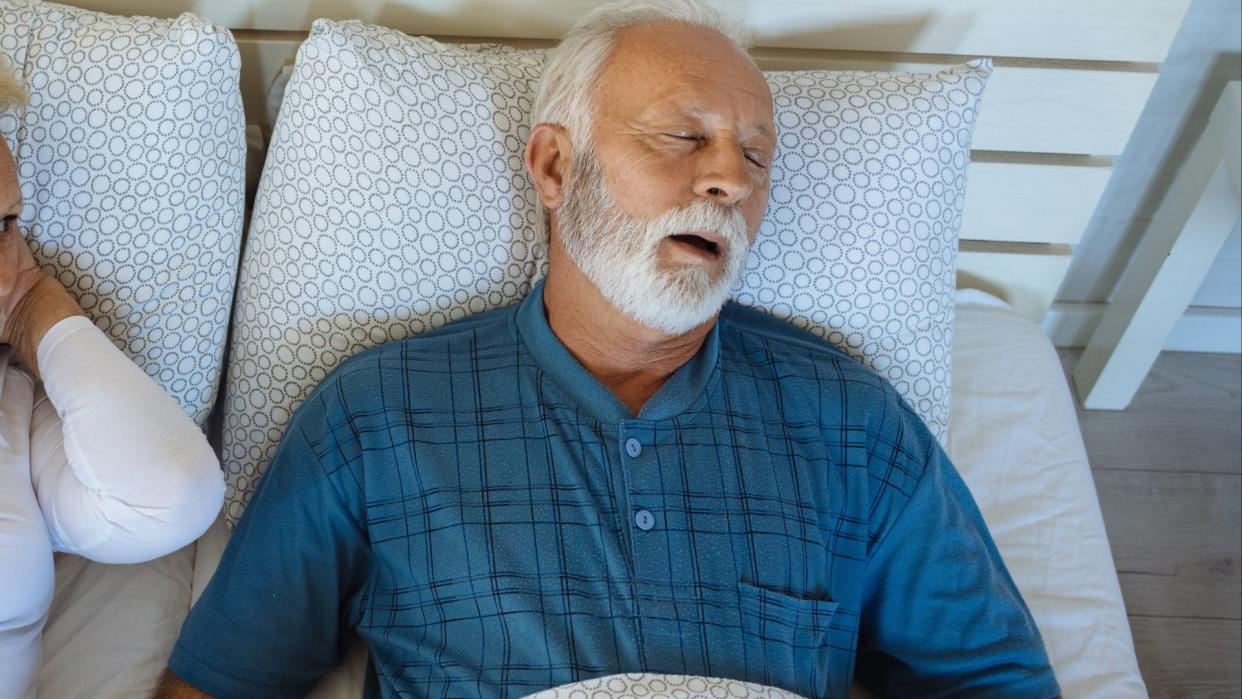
{"x":112,"y":627}
{"x":1013,"y":435}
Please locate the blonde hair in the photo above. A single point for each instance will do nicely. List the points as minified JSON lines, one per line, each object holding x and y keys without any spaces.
{"x":12,"y":91}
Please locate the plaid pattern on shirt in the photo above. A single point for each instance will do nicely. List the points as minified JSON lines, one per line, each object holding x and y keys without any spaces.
{"x":493,"y":522}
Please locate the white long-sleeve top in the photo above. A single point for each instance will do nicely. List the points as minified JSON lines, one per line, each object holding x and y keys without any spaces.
{"x":120,"y":472}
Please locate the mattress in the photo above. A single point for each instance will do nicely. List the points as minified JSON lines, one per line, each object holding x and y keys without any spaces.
{"x":1013,"y":435}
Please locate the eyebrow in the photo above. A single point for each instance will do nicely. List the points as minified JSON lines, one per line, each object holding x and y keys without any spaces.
{"x":698,"y":112}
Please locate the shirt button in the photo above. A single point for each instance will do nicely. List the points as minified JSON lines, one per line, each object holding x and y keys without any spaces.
{"x":633,"y":448}
{"x":644,"y":519}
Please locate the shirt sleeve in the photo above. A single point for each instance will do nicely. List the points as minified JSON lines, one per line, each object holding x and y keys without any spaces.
{"x":122,"y":474}
{"x":272,"y":619}
{"x":940,"y":615}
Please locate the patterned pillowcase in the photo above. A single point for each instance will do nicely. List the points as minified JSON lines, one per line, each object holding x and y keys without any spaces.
{"x":662,"y":687}
{"x":131,"y":154}
{"x":394,"y":200}
{"x":859,"y":243}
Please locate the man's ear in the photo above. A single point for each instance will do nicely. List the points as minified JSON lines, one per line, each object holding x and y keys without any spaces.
{"x":548,"y":155}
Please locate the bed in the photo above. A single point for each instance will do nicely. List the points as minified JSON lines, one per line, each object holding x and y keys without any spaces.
{"x":1013,"y":435}
{"x":1063,"y":98}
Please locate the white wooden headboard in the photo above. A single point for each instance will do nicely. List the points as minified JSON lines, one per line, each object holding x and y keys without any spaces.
{"x":1071,"y":78}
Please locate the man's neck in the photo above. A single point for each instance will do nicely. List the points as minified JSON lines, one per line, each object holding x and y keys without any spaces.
{"x":630,"y":359}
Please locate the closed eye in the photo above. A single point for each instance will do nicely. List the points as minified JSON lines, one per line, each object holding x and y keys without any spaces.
{"x":755,"y":157}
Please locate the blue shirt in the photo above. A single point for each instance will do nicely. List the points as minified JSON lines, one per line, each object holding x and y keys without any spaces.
{"x":493,"y":521}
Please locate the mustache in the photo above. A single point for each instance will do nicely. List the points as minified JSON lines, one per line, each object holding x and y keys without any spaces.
{"x":704,"y":215}
{"x":588,"y":196}
{"x":620,"y":252}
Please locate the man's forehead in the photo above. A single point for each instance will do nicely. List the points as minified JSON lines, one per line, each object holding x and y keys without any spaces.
{"x":666,"y":64}
{"x":678,"y":104}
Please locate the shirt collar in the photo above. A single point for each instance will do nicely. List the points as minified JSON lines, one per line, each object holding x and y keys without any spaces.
{"x":676,"y":396}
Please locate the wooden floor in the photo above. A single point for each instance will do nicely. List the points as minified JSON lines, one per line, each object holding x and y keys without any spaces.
{"x":1169,"y":475}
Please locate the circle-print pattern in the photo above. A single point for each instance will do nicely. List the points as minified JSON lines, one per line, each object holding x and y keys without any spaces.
{"x":131,"y":156}
{"x":859,"y":243}
{"x":394,"y":200}
{"x":653,"y":686}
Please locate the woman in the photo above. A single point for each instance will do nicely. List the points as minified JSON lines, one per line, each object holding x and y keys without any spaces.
{"x":95,"y":459}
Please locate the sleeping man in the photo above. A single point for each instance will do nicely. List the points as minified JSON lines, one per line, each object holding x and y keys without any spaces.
{"x":623,"y":473}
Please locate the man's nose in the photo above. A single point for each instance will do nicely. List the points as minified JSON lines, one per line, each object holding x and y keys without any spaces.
{"x":722,"y":174}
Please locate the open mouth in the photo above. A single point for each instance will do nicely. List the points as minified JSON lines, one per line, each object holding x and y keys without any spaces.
{"x":698,"y":243}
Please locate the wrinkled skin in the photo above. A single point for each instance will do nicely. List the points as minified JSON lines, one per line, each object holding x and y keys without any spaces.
{"x":683,"y":115}
{"x":31,"y":301}
{"x":18,"y":271}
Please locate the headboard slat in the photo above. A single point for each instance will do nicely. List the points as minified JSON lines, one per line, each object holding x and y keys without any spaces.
{"x":1111,"y":30}
{"x":1026,"y":276}
{"x":1071,"y":78}
{"x":1031,"y":202}
{"x":1029,"y":110}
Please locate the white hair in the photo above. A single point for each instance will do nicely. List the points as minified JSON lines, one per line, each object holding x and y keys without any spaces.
{"x":566,"y":93}
{"x":12,"y":93}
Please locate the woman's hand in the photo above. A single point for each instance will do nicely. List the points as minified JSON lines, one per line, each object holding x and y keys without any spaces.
{"x":18,"y":271}
{"x":31,"y":302}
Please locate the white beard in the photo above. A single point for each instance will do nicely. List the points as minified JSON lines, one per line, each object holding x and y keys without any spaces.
{"x":619,"y":253}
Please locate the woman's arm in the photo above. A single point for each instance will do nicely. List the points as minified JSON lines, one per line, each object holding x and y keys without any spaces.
{"x":121,"y":473}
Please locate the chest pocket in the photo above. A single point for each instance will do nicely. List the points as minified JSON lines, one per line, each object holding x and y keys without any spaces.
{"x":786,"y":639}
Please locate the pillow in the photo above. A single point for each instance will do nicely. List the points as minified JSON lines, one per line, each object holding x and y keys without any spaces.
{"x":662,"y":687}
{"x":859,"y":243}
{"x":131,"y":154}
{"x":394,"y":200}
